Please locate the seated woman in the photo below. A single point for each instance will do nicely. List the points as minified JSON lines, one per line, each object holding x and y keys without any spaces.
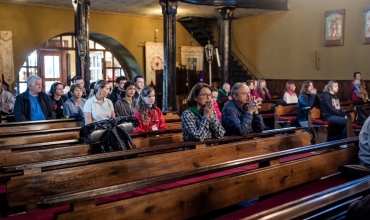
{"x":330,"y":107}
{"x":289,"y":95}
{"x":214,"y":91}
{"x":252,"y":87}
{"x":307,"y":98}
{"x":358,"y":87}
{"x":125,"y":104}
{"x":98,"y":107}
{"x":199,"y":121}
{"x":262,"y":91}
{"x":58,"y":98}
{"x":73,"y":107}
{"x":148,"y":114}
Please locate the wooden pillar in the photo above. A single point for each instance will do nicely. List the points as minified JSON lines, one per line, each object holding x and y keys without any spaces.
{"x":82,"y":9}
{"x":225,"y":42}
{"x":169,"y":11}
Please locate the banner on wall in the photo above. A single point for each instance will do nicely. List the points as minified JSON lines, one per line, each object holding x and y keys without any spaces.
{"x":6,"y":57}
{"x":153,"y":60}
{"x":192,"y":57}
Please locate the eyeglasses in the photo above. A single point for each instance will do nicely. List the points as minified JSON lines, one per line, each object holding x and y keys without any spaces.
{"x":208,"y":95}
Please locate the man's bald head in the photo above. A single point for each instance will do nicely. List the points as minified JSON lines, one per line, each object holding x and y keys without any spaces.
{"x":226,"y":87}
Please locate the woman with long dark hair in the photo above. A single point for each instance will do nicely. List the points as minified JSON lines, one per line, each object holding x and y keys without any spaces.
{"x":125,"y":105}
{"x":58,"y":98}
{"x":307,"y":98}
{"x":148,"y":114}
{"x":358,"y":87}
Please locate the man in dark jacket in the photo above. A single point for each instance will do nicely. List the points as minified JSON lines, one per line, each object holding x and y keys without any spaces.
{"x":240,"y":116}
{"x":120,"y":82}
{"x":33,"y":104}
{"x":223,"y":96}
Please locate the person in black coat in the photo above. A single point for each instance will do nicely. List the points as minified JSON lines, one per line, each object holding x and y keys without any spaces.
{"x":223,"y":96}
{"x":33,"y":104}
{"x":120,"y":82}
{"x":330,"y":107}
{"x":58,"y":98}
{"x":240,"y":116}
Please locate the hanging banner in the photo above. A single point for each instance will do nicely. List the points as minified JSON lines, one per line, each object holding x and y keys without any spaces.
{"x":6,"y":57}
{"x":153,"y":60}
{"x":192,"y":57}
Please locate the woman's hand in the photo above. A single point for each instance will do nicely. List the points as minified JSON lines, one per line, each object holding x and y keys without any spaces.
{"x":208,"y":109}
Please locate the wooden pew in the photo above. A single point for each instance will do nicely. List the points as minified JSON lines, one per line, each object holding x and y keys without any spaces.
{"x":171,"y":117}
{"x":190,"y":200}
{"x":16,"y":127}
{"x":35,"y":184}
{"x":285,"y":115}
{"x":321,"y":128}
{"x":267,"y":112}
{"x":327,"y":202}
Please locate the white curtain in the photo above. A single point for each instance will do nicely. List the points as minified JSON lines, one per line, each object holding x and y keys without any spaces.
{"x":192,"y":57}
{"x":6,"y":57}
{"x":153,"y":60}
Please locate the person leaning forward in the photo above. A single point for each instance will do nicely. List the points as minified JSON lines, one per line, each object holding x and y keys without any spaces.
{"x":240,"y":116}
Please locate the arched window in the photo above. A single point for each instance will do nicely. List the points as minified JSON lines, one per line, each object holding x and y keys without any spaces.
{"x":54,"y":61}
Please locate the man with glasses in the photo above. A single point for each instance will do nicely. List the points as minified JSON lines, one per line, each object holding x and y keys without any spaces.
{"x":240,"y":116}
{"x":120,"y":82}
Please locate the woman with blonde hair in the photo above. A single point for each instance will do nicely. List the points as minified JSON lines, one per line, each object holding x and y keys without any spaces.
{"x":290,"y":96}
{"x":199,"y":121}
{"x":262,"y":90}
{"x":330,"y":107}
{"x":149,"y":115}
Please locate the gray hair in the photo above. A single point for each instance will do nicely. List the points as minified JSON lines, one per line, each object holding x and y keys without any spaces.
{"x":32,"y":79}
{"x":236,"y":87}
{"x":329,"y":86}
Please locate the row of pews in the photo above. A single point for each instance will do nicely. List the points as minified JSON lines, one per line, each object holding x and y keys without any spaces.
{"x":53,"y":180}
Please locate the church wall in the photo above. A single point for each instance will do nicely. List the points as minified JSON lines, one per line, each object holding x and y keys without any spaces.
{"x":283,"y":45}
{"x":33,"y":25}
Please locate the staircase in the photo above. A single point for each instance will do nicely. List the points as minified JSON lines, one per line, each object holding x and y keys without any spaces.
{"x":197,"y":27}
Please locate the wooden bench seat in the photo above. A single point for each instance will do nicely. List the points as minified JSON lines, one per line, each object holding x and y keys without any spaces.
{"x":192,"y":199}
{"x":32,"y":187}
{"x":285,"y":115}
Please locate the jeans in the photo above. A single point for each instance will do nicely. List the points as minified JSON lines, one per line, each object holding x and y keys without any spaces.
{"x":303,"y":124}
{"x":342,"y":121}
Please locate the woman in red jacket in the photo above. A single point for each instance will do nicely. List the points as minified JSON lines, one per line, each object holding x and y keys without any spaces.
{"x":149,"y":115}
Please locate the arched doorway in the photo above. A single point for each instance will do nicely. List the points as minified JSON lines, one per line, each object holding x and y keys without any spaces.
{"x":54,"y":61}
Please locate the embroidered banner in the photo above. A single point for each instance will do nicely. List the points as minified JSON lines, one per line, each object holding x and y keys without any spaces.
{"x":153,"y":60}
{"x":192,"y":57}
{"x":6,"y":57}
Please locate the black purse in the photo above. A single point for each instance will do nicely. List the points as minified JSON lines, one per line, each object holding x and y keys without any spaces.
{"x":110,"y":134}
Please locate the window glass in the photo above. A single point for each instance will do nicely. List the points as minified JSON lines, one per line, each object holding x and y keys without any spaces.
{"x":116,"y":63}
{"x":23,"y":74}
{"x":51,"y":65}
{"x":99,"y":46}
{"x":22,"y":87}
{"x":108,"y":59}
{"x":91,"y":44}
{"x":67,"y":41}
{"x":32,"y":59}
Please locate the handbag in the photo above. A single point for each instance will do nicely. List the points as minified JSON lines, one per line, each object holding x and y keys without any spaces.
{"x":112,"y":134}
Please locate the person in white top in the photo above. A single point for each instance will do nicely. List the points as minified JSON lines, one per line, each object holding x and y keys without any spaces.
{"x":289,"y":95}
{"x":98,"y":107}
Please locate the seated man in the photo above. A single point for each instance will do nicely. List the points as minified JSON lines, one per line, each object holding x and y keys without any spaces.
{"x":120,"y":82}
{"x":33,"y":104}
{"x":223,"y":96}
{"x":364,"y":143}
{"x":6,"y":101}
{"x":240,"y":116}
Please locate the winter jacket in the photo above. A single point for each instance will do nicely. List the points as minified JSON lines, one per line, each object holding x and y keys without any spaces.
{"x":58,"y":105}
{"x":330,"y":106}
{"x":123,"y":108}
{"x":114,"y":95}
{"x":222,"y":99}
{"x":22,"y":106}
{"x":156,"y":121}
{"x":306,"y":100}
{"x":238,"y":121}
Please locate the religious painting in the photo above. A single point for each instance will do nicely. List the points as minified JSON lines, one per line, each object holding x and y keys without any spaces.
{"x":334,"y":27}
{"x":192,"y":63}
{"x":367,"y":24}
{"x":192,"y":57}
{"x":153,"y":61}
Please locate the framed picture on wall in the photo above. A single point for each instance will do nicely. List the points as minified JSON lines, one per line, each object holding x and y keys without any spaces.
{"x":367,"y":24}
{"x":334,"y":28}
